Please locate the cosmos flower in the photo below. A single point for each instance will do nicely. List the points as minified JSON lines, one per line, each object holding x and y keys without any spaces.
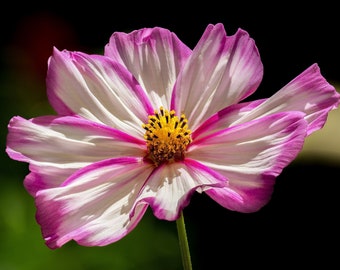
{"x":150,"y":122}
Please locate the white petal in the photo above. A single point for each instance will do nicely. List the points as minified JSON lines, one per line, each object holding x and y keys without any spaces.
{"x":221,"y":71}
{"x":56,"y":147}
{"x":309,"y":93}
{"x":250,"y":156}
{"x":225,"y":118}
{"x":154,"y":56}
{"x":98,"y":89}
{"x":170,"y":187}
{"x":252,"y":147}
{"x":95,"y":206}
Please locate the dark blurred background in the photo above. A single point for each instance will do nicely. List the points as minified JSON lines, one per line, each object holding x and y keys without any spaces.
{"x":298,"y":228}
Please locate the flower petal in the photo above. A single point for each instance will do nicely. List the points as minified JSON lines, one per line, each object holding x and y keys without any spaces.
{"x":154,"y":56}
{"x":221,"y":71}
{"x":98,"y":89}
{"x":95,"y":206}
{"x":309,"y":93}
{"x":250,"y":156}
{"x":56,"y":147}
{"x":224,"y":118}
{"x":170,"y":187}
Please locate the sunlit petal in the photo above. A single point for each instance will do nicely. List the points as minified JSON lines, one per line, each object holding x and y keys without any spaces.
{"x":170,"y":187}
{"x":58,"y":146}
{"x":98,"y":89}
{"x":221,"y":71}
{"x":154,"y":56}
{"x":250,"y":156}
{"x":95,"y":206}
{"x":225,"y":118}
{"x":309,"y":93}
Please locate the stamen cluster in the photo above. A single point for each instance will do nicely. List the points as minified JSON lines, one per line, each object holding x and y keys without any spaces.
{"x":167,"y":136}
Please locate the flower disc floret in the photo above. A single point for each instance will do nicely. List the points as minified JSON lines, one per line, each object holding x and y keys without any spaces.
{"x":167,"y":136}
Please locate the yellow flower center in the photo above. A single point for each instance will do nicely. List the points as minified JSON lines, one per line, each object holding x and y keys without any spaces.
{"x":167,"y":136}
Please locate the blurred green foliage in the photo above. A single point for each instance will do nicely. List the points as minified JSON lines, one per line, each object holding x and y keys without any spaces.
{"x":151,"y":244}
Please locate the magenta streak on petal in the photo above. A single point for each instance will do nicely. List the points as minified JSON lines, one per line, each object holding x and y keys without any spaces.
{"x":82,"y":123}
{"x":53,"y":240}
{"x":249,"y":191}
{"x":222,"y":181}
{"x":177,"y":182}
{"x":96,"y":165}
{"x":19,"y":136}
{"x":309,"y":93}
{"x":245,"y":199}
{"x":51,"y":80}
{"x":211,"y":69}
{"x":51,"y":225}
{"x":120,"y":42}
{"x":46,"y":176}
{"x":176,"y":95}
{"x":81,"y":234}
{"x":234,"y":129}
{"x":324,"y":96}
{"x":224,"y":118}
{"x":16,"y":155}
{"x":123,"y":73}
{"x":153,"y":55}
{"x":78,"y":63}
{"x":56,"y":218}
{"x":34,"y":182}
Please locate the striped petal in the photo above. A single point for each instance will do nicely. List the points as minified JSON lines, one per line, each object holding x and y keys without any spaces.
{"x":170,"y":187}
{"x":250,"y":156}
{"x":309,"y":93}
{"x":56,"y":147}
{"x":98,"y":89}
{"x":221,"y":71}
{"x":95,"y":206}
{"x":154,"y":56}
{"x":225,"y":118}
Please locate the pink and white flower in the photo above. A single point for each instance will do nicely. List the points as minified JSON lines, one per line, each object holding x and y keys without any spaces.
{"x":150,"y":122}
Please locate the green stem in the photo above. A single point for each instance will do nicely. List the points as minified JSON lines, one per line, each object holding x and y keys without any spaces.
{"x":183,"y":243}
